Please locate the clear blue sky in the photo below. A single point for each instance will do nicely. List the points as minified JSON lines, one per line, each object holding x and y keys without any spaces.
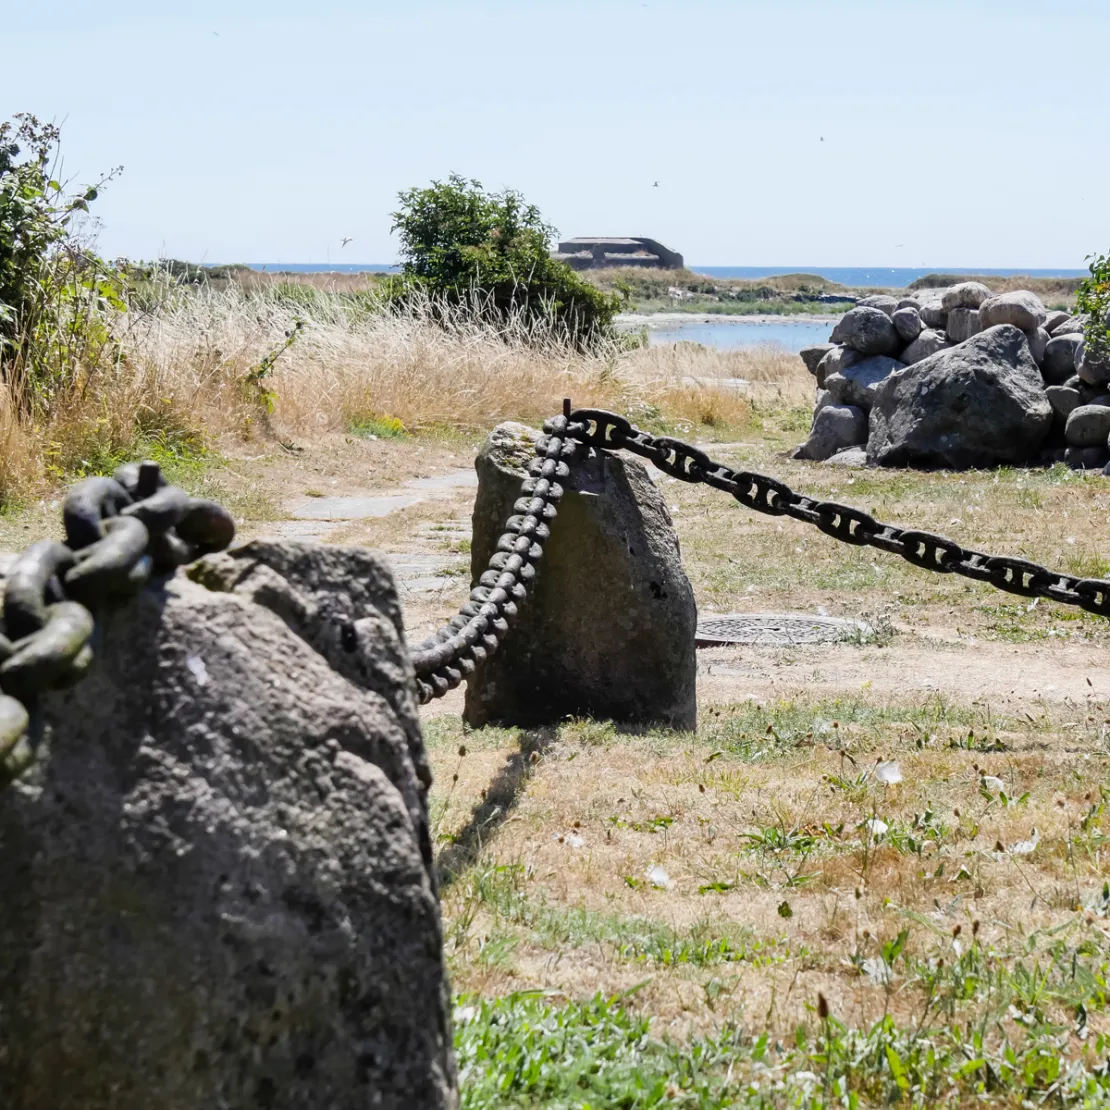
{"x":955,"y":133}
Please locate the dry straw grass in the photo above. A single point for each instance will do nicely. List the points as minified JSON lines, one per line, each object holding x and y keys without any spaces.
{"x":179,"y":371}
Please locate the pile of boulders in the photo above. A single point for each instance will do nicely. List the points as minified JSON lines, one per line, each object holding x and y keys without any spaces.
{"x":958,"y":377}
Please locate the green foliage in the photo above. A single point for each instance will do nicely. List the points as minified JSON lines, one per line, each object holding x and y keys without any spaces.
{"x":256,"y":381}
{"x":492,"y":251}
{"x":53,"y":287}
{"x":373,"y":426}
{"x":1093,"y":300}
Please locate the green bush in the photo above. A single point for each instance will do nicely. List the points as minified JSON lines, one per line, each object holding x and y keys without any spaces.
{"x":491,"y":251}
{"x":53,"y":287}
{"x":1092,"y":299}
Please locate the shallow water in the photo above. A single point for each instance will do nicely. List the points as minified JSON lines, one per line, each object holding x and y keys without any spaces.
{"x":735,"y":335}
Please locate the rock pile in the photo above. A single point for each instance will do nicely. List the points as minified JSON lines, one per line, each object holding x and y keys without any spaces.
{"x":958,"y":377}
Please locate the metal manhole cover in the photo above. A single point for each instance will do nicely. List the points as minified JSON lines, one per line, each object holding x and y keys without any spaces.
{"x":778,"y":629}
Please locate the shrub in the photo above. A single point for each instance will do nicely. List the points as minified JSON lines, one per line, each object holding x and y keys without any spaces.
{"x":491,"y":251}
{"x":1093,"y":300}
{"x":53,"y":287}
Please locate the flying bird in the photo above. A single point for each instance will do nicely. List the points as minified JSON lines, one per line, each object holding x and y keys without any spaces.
{"x":822,"y":138}
{"x":656,"y":185}
{"x":345,"y":240}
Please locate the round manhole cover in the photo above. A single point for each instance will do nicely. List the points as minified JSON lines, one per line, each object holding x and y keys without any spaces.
{"x":778,"y":629}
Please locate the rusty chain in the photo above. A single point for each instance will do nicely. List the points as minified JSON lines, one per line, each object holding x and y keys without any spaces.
{"x":451,"y":654}
{"x":600,"y":429}
{"x":119,"y":532}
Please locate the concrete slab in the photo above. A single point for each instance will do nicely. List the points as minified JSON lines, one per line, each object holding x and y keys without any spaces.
{"x":351,"y":508}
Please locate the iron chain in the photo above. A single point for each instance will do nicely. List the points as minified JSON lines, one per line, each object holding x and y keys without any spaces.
{"x":119,"y":532}
{"x":607,"y":430}
{"x":452,"y":654}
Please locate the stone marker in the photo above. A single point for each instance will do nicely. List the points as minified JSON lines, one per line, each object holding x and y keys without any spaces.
{"x":217,"y":882}
{"x":976,"y":404}
{"x":608,"y":630}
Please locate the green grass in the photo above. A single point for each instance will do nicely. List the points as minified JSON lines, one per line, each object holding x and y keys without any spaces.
{"x":377,"y":427}
{"x":530,"y":1049}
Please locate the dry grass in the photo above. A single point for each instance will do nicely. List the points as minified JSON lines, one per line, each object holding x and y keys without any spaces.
{"x":182,"y":371}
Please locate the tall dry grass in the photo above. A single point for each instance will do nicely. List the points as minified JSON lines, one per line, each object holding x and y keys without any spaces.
{"x":181,"y":370}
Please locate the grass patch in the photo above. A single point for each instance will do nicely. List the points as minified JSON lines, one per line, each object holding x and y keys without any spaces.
{"x":528,"y":1049}
{"x":377,"y":427}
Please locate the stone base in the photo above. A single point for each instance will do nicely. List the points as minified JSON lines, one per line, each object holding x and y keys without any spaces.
{"x":608,"y":631}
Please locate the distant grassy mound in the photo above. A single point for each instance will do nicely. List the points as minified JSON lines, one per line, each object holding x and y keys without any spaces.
{"x":1058,"y":288}
{"x":686,"y":291}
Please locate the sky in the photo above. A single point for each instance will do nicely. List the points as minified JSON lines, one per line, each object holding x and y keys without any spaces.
{"x":797,"y":132}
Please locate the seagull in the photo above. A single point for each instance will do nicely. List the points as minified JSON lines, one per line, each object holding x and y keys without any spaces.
{"x":345,"y":240}
{"x":656,"y":185}
{"x":822,"y":138}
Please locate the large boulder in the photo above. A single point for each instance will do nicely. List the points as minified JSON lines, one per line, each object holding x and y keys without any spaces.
{"x":910,"y":302}
{"x":856,"y":384}
{"x":1092,"y":367}
{"x":1073,"y":325}
{"x":836,"y":361}
{"x":1064,"y":400}
{"x":1038,"y":344}
{"x":1021,"y":308}
{"x":963,"y":323}
{"x":882,"y":301}
{"x":1088,"y":426}
{"x":609,"y":628}
{"x":977,"y":404}
{"x":218,"y":884}
{"x":926,"y":344}
{"x":835,"y":427}
{"x":867,"y":330}
{"x":907,"y":323}
{"x":934,"y":315}
{"x":1056,"y":318}
{"x":1059,"y":358}
{"x":813,"y":355}
{"x":968,"y":294}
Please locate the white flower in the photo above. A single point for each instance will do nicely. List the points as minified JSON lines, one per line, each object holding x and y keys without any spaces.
{"x":876,"y":826}
{"x":658,"y":877}
{"x":888,"y":773}
{"x":198,"y":669}
{"x":993,"y":783}
{"x":1026,"y":847}
{"x":572,"y":840}
{"x":465,"y":1014}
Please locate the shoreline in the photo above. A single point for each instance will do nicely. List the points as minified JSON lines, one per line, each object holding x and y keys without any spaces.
{"x":670,"y":319}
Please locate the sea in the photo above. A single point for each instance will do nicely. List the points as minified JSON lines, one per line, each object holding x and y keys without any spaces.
{"x":734,"y":332}
{"x":887,"y":277}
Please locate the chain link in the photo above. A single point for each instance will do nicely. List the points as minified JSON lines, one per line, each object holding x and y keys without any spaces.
{"x":444,"y":659}
{"x":120,"y":532}
{"x":607,"y":430}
